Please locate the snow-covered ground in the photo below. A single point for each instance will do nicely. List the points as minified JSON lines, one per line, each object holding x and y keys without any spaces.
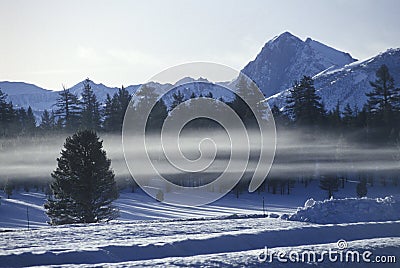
{"x":229,"y":232}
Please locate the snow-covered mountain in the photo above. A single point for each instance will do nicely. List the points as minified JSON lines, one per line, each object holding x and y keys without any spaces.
{"x":24,"y":95}
{"x":348,"y":84}
{"x":286,"y":58}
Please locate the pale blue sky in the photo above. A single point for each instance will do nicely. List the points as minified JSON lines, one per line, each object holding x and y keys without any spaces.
{"x":50,"y":43}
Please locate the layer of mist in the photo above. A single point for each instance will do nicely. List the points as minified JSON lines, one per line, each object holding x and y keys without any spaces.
{"x":296,"y":156}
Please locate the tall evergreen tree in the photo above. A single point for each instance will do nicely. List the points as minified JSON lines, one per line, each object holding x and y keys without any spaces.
{"x":250,"y":104}
{"x":115,"y":109}
{"x":145,"y":99}
{"x":304,"y":105}
{"x":348,"y":116}
{"x":157,"y":116}
{"x":8,"y":188}
{"x":22,"y":118}
{"x":90,"y":114}
{"x":384,"y":99}
{"x":30,"y":121}
{"x":335,"y":117}
{"x":68,"y":109}
{"x":109,"y":121}
{"x":47,"y":121}
{"x":84,"y":186}
{"x":7,"y":115}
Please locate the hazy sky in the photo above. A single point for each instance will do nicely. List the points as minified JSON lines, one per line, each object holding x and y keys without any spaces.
{"x":50,"y":43}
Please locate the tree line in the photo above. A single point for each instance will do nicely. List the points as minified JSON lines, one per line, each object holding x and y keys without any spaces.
{"x":375,"y":125}
{"x":376,"y":119}
{"x":70,"y":113}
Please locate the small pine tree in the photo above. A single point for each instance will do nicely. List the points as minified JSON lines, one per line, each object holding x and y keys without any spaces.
{"x":8,"y":188}
{"x":348,"y":116}
{"x":329,"y":184}
{"x":84,"y":186}
{"x":177,"y":98}
{"x":362,"y":188}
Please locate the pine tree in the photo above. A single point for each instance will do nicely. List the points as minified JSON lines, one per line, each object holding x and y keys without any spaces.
{"x":147,"y":100}
{"x":177,"y":98}
{"x":109,"y":114}
{"x":304,"y":105}
{"x":84,"y":186}
{"x":47,"y":121}
{"x":115,"y":109}
{"x":30,"y":124}
{"x":384,"y":99}
{"x":348,"y":116}
{"x":329,"y":184}
{"x":157,"y":116}
{"x":22,"y":118}
{"x":209,"y":95}
{"x":335,"y":117}
{"x":247,"y":103}
{"x":90,"y":114}
{"x":8,"y":188}
{"x":7,"y":115}
{"x":362,"y":188}
{"x":68,"y":109}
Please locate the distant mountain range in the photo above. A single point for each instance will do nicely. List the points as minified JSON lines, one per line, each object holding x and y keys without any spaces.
{"x":283,"y":60}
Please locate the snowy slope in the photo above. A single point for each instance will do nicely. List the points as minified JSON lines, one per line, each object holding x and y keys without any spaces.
{"x":230,"y":232}
{"x":227,"y":242}
{"x":139,"y":206}
{"x":286,"y":58}
{"x":349,"y":84}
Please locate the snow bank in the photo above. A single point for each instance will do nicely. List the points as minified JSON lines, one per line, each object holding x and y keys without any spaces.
{"x":349,"y":210}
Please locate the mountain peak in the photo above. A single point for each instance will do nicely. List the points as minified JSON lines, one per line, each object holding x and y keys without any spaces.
{"x":285,"y":37}
{"x":286,"y":58}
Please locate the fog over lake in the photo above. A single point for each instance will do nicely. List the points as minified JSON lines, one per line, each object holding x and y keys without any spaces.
{"x":296,"y":155}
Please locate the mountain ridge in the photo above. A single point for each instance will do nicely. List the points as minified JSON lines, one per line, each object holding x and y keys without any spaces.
{"x":349,"y":84}
{"x":281,"y":61}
